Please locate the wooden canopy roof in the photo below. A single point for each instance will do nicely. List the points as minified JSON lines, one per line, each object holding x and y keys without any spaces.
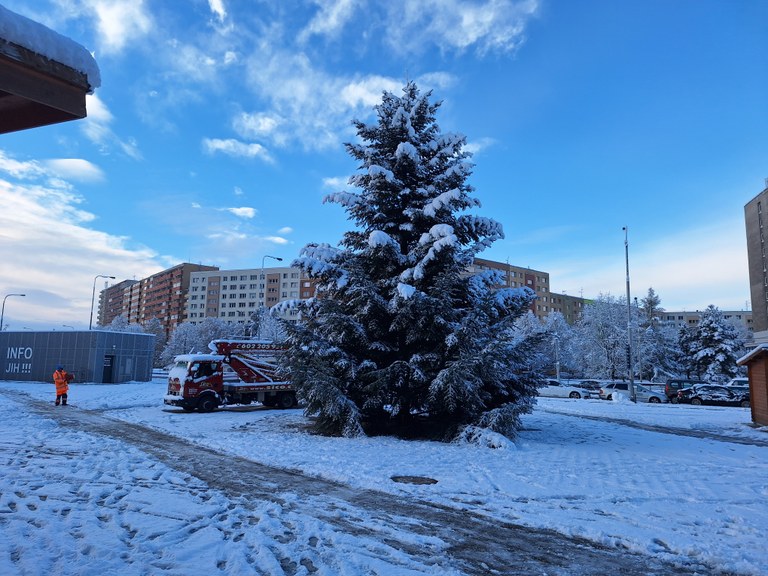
{"x":36,"y":91}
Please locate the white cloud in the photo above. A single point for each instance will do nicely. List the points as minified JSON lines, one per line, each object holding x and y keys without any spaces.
{"x":189,"y":63}
{"x":285,"y":231}
{"x":236,"y":148}
{"x":242,"y":212}
{"x":485,"y":26}
{"x":276,"y":239}
{"x":217,"y":7}
{"x":330,"y":19}
{"x":97,"y":127}
{"x":238,"y":191}
{"x":41,"y":217}
{"x":227,"y":236}
{"x":477,"y":146}
{"x":119,"y":22}
{"x":309,"y":105}
{"x":20,"y":169}
{"x":406,"y":26}
{"x":75,"y":169}
{"x":335,"y":182}
{"x":256,"y":125}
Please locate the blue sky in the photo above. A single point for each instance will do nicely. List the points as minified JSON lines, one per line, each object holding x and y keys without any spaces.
{"x":219,"y":127}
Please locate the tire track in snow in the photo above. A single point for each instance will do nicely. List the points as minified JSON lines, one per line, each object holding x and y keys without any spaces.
{"x":702,"y":434}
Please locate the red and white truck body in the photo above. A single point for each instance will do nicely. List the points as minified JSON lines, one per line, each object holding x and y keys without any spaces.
{"x":205,"y":381}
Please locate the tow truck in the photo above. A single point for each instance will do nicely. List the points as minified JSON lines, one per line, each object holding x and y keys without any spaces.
{"x":236,"y":372}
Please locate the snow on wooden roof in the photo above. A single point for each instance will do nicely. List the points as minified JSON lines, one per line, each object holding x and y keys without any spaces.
{"x":44,"y":76}
{"x":752,"y":354}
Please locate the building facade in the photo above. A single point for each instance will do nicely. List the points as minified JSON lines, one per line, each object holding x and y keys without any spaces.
{"x":97,"y":356}
{"x":546,"y":301}
{"x":741,"y":318}
{"x":756,"y":221}
{"x":234,"y":295}
{"x":111,"y":302}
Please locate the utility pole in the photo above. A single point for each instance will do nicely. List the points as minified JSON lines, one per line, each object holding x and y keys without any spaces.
{"x":629,"y":322}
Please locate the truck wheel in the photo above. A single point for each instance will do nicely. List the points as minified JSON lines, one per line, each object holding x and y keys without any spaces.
{"x":286,"y":400}
{"x":188,"y":408}
{"x":270,"y":401}
{"x":207,"y":404}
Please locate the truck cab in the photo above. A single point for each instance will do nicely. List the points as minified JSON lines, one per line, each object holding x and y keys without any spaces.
{"x":196,"y":382}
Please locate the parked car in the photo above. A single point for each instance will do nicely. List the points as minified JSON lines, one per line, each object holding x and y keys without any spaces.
{"x":591,"y":385}
{"x":714,"y":395}
{"x":738,"y":382}
{"x":555,"y":389}
{"x":674,"y":385}
{"x":642,"y":394}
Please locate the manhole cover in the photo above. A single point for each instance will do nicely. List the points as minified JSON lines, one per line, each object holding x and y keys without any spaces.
{"x":413,"y":480}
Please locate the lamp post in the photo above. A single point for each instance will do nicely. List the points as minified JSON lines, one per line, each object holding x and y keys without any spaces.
{"x":264,"y":298}
{"x":557,"y":355}
{"x":93,"y":297}
{"x":629,"y":321}
{"x":2,"y":313}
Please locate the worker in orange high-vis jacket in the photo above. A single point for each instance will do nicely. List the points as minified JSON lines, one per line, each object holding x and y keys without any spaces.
{"x":61,"y":378}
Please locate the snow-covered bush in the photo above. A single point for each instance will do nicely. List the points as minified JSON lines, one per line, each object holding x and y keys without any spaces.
{"x":189,"y":338}
{"x":401,"y":339}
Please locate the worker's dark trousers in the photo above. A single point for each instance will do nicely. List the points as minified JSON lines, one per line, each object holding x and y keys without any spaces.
{"x":61,"y":399}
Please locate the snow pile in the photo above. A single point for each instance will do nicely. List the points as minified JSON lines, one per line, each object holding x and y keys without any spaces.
{"x":35,"y":37}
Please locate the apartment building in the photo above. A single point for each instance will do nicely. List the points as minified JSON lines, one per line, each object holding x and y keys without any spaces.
{"x":756,"y":223}
{"x":233,"y":295}
{"x":111,"y":302}
{"x":738,"y":317}
{"x":546,"y":301}
{"x":192,"y":292}
{"x":162,"y":296}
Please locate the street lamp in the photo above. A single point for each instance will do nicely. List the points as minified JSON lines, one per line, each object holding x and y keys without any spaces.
{"x":264,"y":300}
{"x":629,"y":321}
{"x":2,"y":313}
{"x":93,"y":297}
{"x":264,"y":297}
{"x":557,"y":355}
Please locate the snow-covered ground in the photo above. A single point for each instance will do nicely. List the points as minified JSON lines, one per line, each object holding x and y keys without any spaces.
{"x":590,"y":468}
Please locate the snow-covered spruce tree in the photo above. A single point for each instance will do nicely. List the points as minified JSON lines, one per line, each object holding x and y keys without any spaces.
{"x":716,"y":346}
{"x":402,"y":339}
